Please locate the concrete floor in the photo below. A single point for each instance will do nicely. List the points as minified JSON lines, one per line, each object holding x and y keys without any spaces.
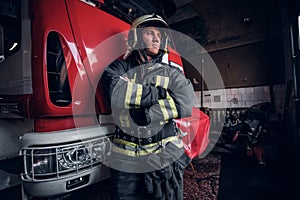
{"x":244,"y":180}
{"x":240,"y":179}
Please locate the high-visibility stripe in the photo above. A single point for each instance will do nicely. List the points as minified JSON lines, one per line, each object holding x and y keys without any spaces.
{"x":133,"y":95}
{"x":120,"y":141}
{"x":166,"y":82}
{"x":128,"y":94}
{"x":134,"y":78}
{"x":168,"y":109}
{"x":162,"y":81}
{"x":151,"y":145}
{"x":172,"y":106}
{"x":132,"y":153}
{"x":133,"y":149}
{"x":124,"y":118}
{"x":163,"y":109}
{"x":158,"y":80}
{"x":136,"y":96}
{"x":139,"y":93}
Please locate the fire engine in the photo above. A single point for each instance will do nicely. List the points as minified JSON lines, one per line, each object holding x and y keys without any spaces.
{"x":52,"y":115}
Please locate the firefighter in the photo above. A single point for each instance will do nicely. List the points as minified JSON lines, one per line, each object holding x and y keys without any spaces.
{"x":145,"y":95}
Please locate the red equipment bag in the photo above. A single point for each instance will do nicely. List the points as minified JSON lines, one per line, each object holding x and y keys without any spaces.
{"x":196,"y":132}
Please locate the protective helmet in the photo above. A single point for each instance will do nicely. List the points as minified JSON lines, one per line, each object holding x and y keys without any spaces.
{"x":146,"y":21}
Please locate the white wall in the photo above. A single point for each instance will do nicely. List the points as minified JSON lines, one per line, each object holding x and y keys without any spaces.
{"x":235,"y":97}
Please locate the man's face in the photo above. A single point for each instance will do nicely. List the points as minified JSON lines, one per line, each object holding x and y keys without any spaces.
{"x":152,"y":39}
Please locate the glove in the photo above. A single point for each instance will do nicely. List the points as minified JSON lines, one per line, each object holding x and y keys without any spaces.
{"x":162,"y":184}
{"x":169,"y":154}
{"x":167,"y":183}
{"x":162,"y":92}
{"x":183,"y":161}
{"x":140,"y":116}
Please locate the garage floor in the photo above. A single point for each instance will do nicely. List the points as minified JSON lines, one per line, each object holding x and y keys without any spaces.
{"x":218,"y":176}
{"x":241,"y":180}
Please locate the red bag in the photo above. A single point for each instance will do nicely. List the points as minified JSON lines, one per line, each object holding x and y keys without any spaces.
{"x":196,"y":132}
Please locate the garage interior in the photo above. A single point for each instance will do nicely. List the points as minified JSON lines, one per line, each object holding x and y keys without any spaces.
{"x":254,"y":45}
{"x":251,"y":43}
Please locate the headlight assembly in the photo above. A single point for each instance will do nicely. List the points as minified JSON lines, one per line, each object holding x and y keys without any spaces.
{"x":73,"y":158}
{"x":53,"y":162}
{"x":41,"y":162}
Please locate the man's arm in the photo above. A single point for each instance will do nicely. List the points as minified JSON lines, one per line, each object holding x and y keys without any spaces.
{"x":122,"y":92}
{"x":179,"y":100}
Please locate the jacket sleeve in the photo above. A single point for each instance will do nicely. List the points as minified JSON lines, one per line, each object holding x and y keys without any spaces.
{"x":179,"y":101}
{"x":126,"y":94}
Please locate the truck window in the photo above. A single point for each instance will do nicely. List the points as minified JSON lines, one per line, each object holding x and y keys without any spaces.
{"x":58,"y":82}
{"x":129,"y":10}
{"x":10,"y":27}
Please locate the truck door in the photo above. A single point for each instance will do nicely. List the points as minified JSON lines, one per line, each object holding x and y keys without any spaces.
{"x":93,"y":29}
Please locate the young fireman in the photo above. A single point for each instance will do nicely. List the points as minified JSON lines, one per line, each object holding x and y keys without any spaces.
{"x":145,"y":96}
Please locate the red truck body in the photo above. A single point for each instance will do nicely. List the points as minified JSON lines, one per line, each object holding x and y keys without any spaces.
{"x":54,"y":54}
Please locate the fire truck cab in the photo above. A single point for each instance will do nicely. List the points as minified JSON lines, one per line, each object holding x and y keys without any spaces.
{"x":52,"y":115}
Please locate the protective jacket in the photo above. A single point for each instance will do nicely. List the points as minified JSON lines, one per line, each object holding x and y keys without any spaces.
{"x":155,"y":94}
{"x":144,"y":99}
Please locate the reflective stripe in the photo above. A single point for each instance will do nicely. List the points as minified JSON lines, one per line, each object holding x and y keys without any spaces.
{"x":162,"y":81}
{"x":124,"y":118}
{"x":120,"y":141}
{"x":169,"y":111}
{"x":128,"y":94}
{"x":138,"y":97}
{"x":123,"y":146}
{"x":172,"y":106}
{"x":132,"y":153}
{"x":163,"y":109}
{"x":134,"y":78}
{"x":171,"y":100}
{"x":134,"y":145}
{"x":133,"y":95}
{"x":158,"y":80}
{"x":166,"y":82}
{"x":168,"y":108}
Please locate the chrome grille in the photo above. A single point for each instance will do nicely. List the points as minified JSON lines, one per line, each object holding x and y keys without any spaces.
{"x":52,"y":162}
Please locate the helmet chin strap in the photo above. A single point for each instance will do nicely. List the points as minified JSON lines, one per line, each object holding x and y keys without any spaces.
{"x":144,"y":56}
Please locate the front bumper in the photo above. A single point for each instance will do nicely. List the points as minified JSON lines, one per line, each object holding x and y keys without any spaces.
{"x":64,"y":161}
{"x":60,"y":186}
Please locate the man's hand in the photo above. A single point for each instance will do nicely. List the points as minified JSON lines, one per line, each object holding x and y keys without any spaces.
{"x":124,"y":78}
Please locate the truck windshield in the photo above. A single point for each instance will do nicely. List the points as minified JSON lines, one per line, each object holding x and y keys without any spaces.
{"x":128,"y":10}
{"x":10,"y":27}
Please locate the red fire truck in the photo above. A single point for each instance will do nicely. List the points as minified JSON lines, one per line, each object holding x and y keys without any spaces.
{"x":52,"y":114}
{"x":46,"y":85}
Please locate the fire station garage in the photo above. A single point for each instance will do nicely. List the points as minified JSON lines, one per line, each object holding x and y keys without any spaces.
{"x":241,"y":57}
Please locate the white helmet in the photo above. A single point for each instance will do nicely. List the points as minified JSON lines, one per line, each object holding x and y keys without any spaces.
{"x":145,"y":21}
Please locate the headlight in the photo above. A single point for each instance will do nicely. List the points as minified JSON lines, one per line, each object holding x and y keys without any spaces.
{"x":73,"y":158}
{"x":52,"y":162}
{"x":86,"y":155}
{"x":101,"y":150}
{"x":41,"y":162}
